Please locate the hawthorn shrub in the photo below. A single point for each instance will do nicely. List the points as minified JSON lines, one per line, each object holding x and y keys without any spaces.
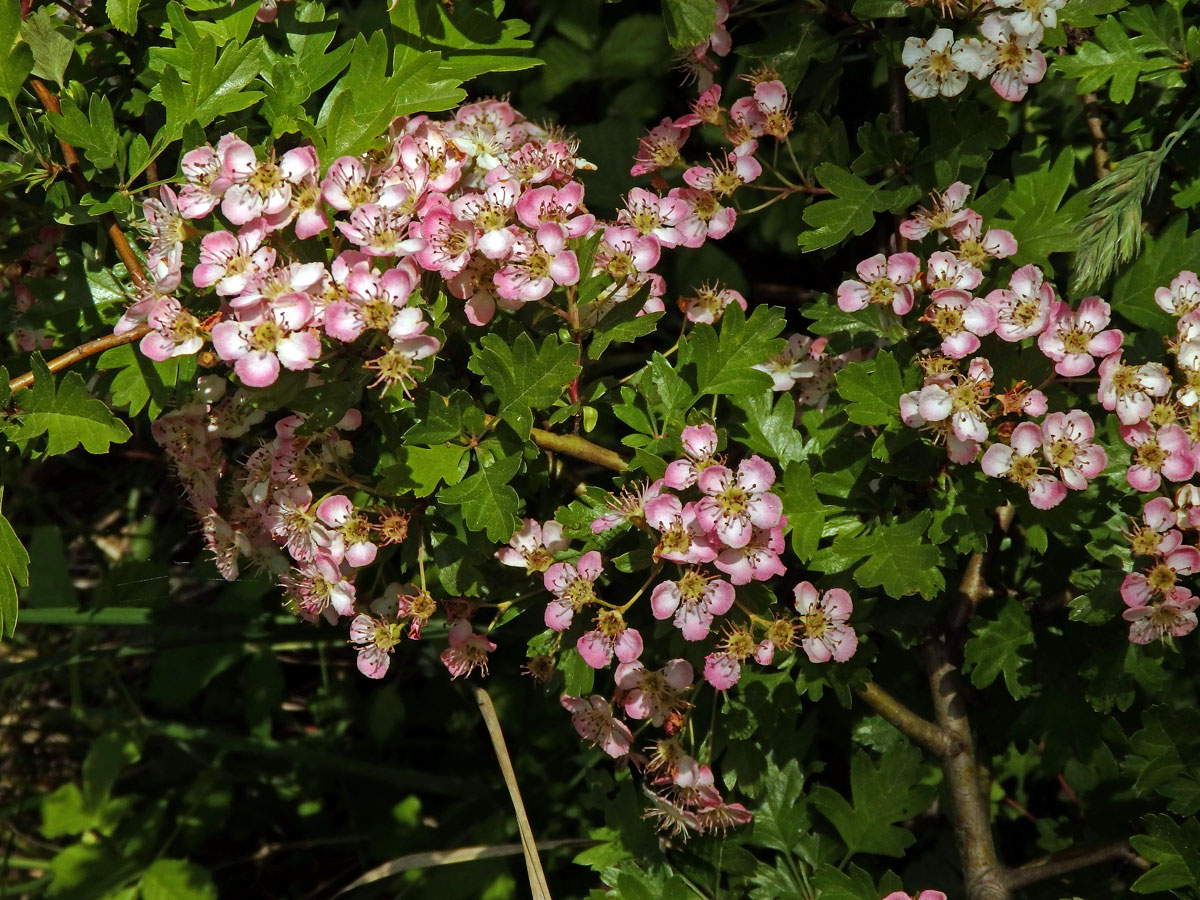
{"x":779,"y":419}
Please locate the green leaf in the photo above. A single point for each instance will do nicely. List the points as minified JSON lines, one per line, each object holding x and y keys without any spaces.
{"x":995,"y":649}
{"x":1133,"y":290}
{"x":1113,"y":58}
{"x":804,"y":510}
{"x":771,"y":427}
{"x":899,"y":558}
{"x":666,"y":393}
{"x":177,"y":879}
{"x":689,"y":22}
{"x":881,"y":796}
{"x":66,"y":415}
{"x":470,"y":39}
{"x":622,"y":324}
{"x":1163,"y":757}
{"x":1036,"y":214}
{"x":781,"y":819}
{"x":108,"y":756}
{"x":488,"y":501}
{"x":123,"y":14}
{"x":16,"y":59}
{"x":1175,"y":851}
{"x":872,"y":390}
{"x":852,"y":209}
{"x":95,"y":134}
{"x":422,"y":469}
{"x":578,"y":676}
{"x":441,"y":419}
{"x":52,"y":43}
{"x":524,"y":377}
{"x":723,"y":365}
{"x":14,"y":570}
{"x":1089,"y":13}
{"x":141,"y":383}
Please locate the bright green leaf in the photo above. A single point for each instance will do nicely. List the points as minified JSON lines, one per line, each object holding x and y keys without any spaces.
{"x":689,"y":22}
{"x":67,"y":415}
{"x":488,"y":500}
{"x":524,"y":377}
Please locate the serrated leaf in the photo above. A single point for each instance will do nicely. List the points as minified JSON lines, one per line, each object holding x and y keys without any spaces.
{"x":1035,"y":212}
{"x":1163,"y":757}
{"x":622,"y":324}
{"x":851,"y":210}
{"x":666,"y":393}
{"x":488,"y":501}
{"x":52,"y":44}
{"x":123,"y":14}
{"x":1113,"y":58}
{"x":723,"y":364}
{"x":14,"y":570}
{"x":16,"y":57}
{"x":995,"y":649}
{"x":880,"y":796}
{"x":804,"y":510}
{"x":423,"y":469}
{"x":141,"y":383}
{"x":66,"y":414}
{"x":1159,"y":262}
{"x":524,"y":377}
{"x":781,"y":819}
{"x":689,"y":22}
{"x":1174,"y":848}
{"x":898,"y":558}
{"x":771,"y":427}
{"x":872,"y":390}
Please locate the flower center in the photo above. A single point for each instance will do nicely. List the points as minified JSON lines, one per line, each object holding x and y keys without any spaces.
{"x":266,"y":336}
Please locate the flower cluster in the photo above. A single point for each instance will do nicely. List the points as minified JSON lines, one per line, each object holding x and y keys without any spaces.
{"x":1005,"y":52}
{"x":1158,"y":607}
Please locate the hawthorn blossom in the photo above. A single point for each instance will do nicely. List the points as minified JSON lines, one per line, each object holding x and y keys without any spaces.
{"x":1067,"y":445}
{"x":560,"y":205}
{"x":206,"y":183}
{"x":924,"y":895}
{"x":948,"y":210}
{"x":397,"y":365}
{"x":758,"y":560}
{"x":1032,"y":15}
{"x":536,"y":266}
{"x":800,"y":359}
{"x":823,"y":619}
{"x":976,"y":246}
{"x":375,"y":640}
{"x":1181,"y":297}
{"x":960,"y":319}
{"x":886,"y":281}
{"x":379,"y":231}
{"x":735,"y":504}
{"x":176,"y":332}
{"x":573,"y":587}
{"x":232,"y":262}
{"x":961,"y":399}
{"x":594,"y":721}
{"x":681,"y":538}
{"x":709,"y":303}
{"x":610,"y":637}
{"x":695,"y":600}
{"x":628,"y":506}
{"x":1129,"y":390}
{"x":261,"y":188}
{"x":1017,"y":461}
{"x":1073,"y":338}
{"x":653,"y":695}
{"x":449,"y":242}
{"x":1174,"y":617}
{"x":533,"y":546}
{"x":1161,"y":579}
{"x":625,"y":254}
{"x":1012,"y":56}
{"x":348,"y":185}
{"x":1024,"y":308}
{"x":722,"y":670}
{"x":947,"y":271}
{"x":736,"y":169}
{"x":468,"y":650}
{"x":706,"y":218}
{"x":660,"y":148}
{"x":940,"y":65}
{"x":706,"y":108}
{"x":1164,"y":451}
{"x":348,"y":534}
{"x":258,"y":347}
{"x":699,"y":447}
{"x":378,"y":302}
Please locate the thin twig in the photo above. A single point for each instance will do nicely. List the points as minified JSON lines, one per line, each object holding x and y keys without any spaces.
{"x":115,"y":234}
{"x":1066,"y":861}
{"x":578,"y":447}
{"x":1091,"y":111}
{"x":91,"y":348}
{"x":539,"y":889}
{"x":919,"y":730}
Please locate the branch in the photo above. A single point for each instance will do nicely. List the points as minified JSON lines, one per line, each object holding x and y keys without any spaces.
{"x":920,"y":731}
{"x":115,"y":234}
{"x":1067,"y":861}
{"x":1091,"y":111}
{"x":580,"y":448}
{"x":91,"y":348}
{"x":983,"y":874}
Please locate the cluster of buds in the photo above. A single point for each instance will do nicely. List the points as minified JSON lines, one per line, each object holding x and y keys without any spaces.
{"x":1005,"y":52}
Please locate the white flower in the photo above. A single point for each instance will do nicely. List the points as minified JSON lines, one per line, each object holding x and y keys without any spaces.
{"x":1032,"y":13}
{"x":939,"y":65}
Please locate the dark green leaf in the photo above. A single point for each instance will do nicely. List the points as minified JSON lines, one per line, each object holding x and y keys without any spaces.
{"x":487,"y":498}
{"x":899,"y":558}
{"x":995,"y":649}
{"x":14,"y":570}
{"x":872,"y":389}
{"x":689,"y":22}
{"x":723,"y":365}
{"x":524,"y":377}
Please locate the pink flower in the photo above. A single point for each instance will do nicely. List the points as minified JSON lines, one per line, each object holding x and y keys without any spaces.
{"x":348,"y":536}
{"x":379,"y":231}
{"x":705,"y":108}
{"x":1024,"y":309}
{"x":468,"y":650}
{"x":348,"y":185}
{"x":706,"y":218}
{"x":448,"y":242}
{"x":948,"y":271}
{"x":536,"y":266}
{"x":533,"y":546}
{"x":695,"y":600}
{"x":1161,"y":580}
{"x":699,"y":447}
{"x":176,"y":331}
{"x":823,"y":618}
{"x":1017,"y":461}
{"x":559,"y":205}
{"x":948,"y":210}
{"x":737,"y":169}
{"x":594,"y":721}
{"x":625,"y":254}
{"x":758,"y":560}
{"x":1173,"y":617}
{"x":375,"y":640}
{"x":940,"y":65}
{"x":660,"y":148}
{"x":610,"y":636}
{"x":960,"y":399}
{"x":1129,"y":390}
{"x":886,"y":281}
{"x":1032,"y":15}
{"x":681,"y":540}
{"x":1183,"y":295}
{"x":258,"y":347}
{"x":976,"y":246}
{"x":1073,"y":338}
{"x":1165,"y":451}
{"x":1067,"y":445}
{"x":573,"y":587}
{"x":1013,"y":57}
{"x":653,"y":695}
{"x":260,"y":188}
{"x":722,"y":670}
{"x":627,"y":506}
{"x":206,"y":183}
{"x":660,"y":217}
{"x":800,"y":359}
{"x":709,"y":303}
{"x":734,"y":505}
{"x":378,"y":302}
{"x":960,"y":319}
{"x":232,"y":263}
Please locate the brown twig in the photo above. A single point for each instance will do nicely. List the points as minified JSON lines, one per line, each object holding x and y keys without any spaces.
{"x":1064,"y":862}
{"x":91,"y":348}
{"x":115,"y":234}
{"x":578,"y":447}
{"x":917,"y":729}
{"x":1095,"y":124}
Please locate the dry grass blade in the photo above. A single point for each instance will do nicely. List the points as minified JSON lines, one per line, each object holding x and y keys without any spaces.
{"x":431,"y":858}
{"x":538,"y":887}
